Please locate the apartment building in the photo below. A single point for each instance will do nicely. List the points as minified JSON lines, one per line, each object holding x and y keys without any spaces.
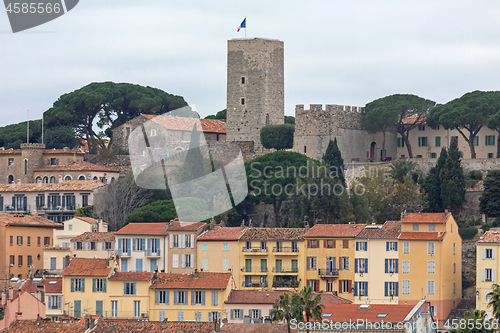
{"x":77,"y":170}
{"x":142,"y":247}
{"x":330,"y":258}
{"x":49,"y":292}
{"x":190,"y":297}
{"x":487,"y":268}
{"x":182,"y":238}
{"x":376,"y":264}
{"x":75,"y":227}
{"x":128,"y":295}
{"x":272,"y":258}
{"x":224,"y":241}
{"x":427,"y":142}
{"x":430,"y":252}
{"x":23,"y":238}
{"x":94,"y":245}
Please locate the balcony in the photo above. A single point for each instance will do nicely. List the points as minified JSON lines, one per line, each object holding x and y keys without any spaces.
{"x":285,"y":270}
{"x":328,"y":272}
{"x":125,"y":254}
{"x":13,"y":209}
{"x":58,"y":208}
{"x":286,"y":284}
{"x":254,"y":250}
{"x":254,"y":270}
{"x":286,"y":250}
{"x":254,"y":284}
{"x":150,"y":254}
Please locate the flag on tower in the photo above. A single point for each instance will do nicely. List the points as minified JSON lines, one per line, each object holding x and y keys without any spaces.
{"x":242,"y":25}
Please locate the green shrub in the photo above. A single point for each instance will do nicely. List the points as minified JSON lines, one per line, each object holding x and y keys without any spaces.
{"x":485,"y":227}
{"x":467,"y":233}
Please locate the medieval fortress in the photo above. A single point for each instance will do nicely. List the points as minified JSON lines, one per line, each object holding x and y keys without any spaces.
{"x":255,"y":98}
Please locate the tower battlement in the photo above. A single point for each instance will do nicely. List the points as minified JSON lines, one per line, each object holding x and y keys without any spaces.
{"x":330,"y":108}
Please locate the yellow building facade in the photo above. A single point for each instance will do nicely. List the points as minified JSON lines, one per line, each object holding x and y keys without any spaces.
{"x":487,"y":268}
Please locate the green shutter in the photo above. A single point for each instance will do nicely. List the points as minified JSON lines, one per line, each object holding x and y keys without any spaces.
{"x":438,"y":141}
{"x":72,"y":285}
{"x":83,"y":285}
{"x":93,"y":285}
{"x":419,"y":141}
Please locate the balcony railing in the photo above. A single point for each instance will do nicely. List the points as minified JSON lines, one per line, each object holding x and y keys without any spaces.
{"x":58,"y":208}
{"x":254,"y":284}
{"x":328,"y":272}
{"x":254,"y":269}
{"x":286,"y":249}
{"x":285,"y":284}
{"x":13,"y":209}
{"x":153,"y":254}
{"x":284,"y":270}
{"x":254,"y":249}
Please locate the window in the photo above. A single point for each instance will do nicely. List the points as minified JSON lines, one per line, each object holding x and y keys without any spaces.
{"x":360,"y":288}
{"x":437,"y":141}
{"x":204,"y":264}
{"x":215,"y":297}
{"x":53,"y":161}
{"x":10,"y":179}
{"x":490,"y":155}
{"x":344,"y":263}
{"x":391,"y":266}
{"x":80,"y":245}
{"x":198,"y":297}
{"x":279,"y":247}
{"x":313,"y":284}
{"x":37,"y":241}
{"x":330,"y":243}
{"x":430,"y":287}
{"x":188,"y":241}
{"x":180,"y":315}
{"x":129,"y":288}
{"x":406,"y":287}
{"x":155,"y":246}
{"x":344,"y":287}
{"x":430,"y":247}
{"x":421,"y":127}
{"x":311,"y":263}
{"x":78,"y":285}
{"x":175,"y":261}
{"x":99,"y":285}
{"x":54,"y":302}
{"x":11,"y":162}
{"x":431,"y":267}
{"x":205,"y":246}
{"x":180,"y":297}
{"x":454,"y":288}
{"x":432,"y":227}
{"x":93,"y":246}
{"x":114,"y":309}
{"x":12,"y":260}
{"x":30,"y":261}
{"x":489,"y":140}
{"x":236,"y":314}
{"x":422,"y":141}
{"x":242,"y":80}
{"x":345,"y":243}
{"x":488,"y":275}
{"x":28,"y":241}
{"x":488,"y":254}
{"x":85,"y":200}
{"x":313,"y":243}
{"x":12,"y":240}
{"x":109,"y":245}
{"x":124,"y":265}
{"x":406,"y":267}
{"x":19,"y":240}
{"x":391,"y":246}
{"x":46,"y":241}
{"x":360,"y":265}
{"x":188,"y":260}
{"x":305,"y":149}
{"x":406,"y":247}
{"x":400,"y":142}
{"x":225,"y":264}
{"x":197,"y":314}
{"x":433,"y":155}
{"x":153,"y":132}
{"x":454,"y":267}
{"x":19,"y":261}
{"x":242,"y":101}
{"x":140,"y":244}
{"x":162,"y":297}
{"x":415,"y":227}
{"x":263,"y":246}
{"x":67,"y":178}
{"x":137,"y":309}
{"x":53,"y":179}
{"x":81,"y":178}
{"x":476,"y":141}
{"x":418,"y":156}
{"x":224,"y":246}
{"x":391,"y":289}
{"x":329,"y":285}
{"x":295,"y":248}
{"x":361,"y":246}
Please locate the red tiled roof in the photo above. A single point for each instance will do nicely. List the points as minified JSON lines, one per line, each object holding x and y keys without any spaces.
{"x":425,"y":217}
{"x":87,"y":267}
{"x":273,"y":234}
{"x":345,"y":312}
{"x":132,"y":276}
{"x":78,"y":166}
{"x":176,"y":225}
{"x":95,"y":237}
{"x":416,"y":118}
{"x":187,"y":124}
{"x":46,"y":326}
{"x":49,"y":286}
{"x":269,"y":297}
{"x":227,"y":233}
{"x":201,"y":280}
{"x":66,"y":185}
{"x":390,"y":229}
{"x":335,"y":230}
{"x":255,"y":328}
{"x":490,"y":236}
{"x":89,"y":220}
{"x":159,"y":228}
{"x":422,"y":235}
{"x":56,"y":248}
{"x":27,"y":220}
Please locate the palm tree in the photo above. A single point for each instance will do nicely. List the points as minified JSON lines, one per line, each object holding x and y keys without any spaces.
{"x":285,"y":308}
{"x":481,"y":324}
{"x":494,"y":302}
{"x":311,"y":307}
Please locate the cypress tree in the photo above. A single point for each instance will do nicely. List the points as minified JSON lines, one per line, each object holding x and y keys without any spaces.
{"x":194,"y":163}
{"x":452,"y":179}
{"x":489,"y":202}
{"x":333,"y":158}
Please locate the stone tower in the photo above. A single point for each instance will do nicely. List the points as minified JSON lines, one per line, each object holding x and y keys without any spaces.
{"x":255,"y":87}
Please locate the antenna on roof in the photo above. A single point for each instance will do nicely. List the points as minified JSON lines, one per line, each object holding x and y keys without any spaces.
{"x":28,"y":128}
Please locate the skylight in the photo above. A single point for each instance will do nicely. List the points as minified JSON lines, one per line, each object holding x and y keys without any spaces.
{"x":327,"y":315}
{"x":52,"y":282}
{"x":364,"y":306}
{"x":382,"y":315}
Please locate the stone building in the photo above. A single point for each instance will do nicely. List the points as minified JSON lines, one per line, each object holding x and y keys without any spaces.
{"x":77,"y":170}
{"x":314,"y":128}
{"x":20,"y":164}
{"x":255,"y":87}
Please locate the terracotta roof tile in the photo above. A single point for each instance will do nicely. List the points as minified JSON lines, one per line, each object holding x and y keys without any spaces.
{"x":78,"y":166}
{"x":425,"y":218}
{"x":87,"y":267}
{"x":346,"y":312}
{"x":176,"y":225}
{"x":416,"y":118}
{"x":390,"y":229}
{"x":335,"y":230}
{"x":110,"y":325}
{"x":271,"y":234}
{"x":269,"y":297}
{"x":66,"y":185}
{"x":187,"y":124}
{"x":49,"y":286}
{"x":46,"y":326}
{"x":132,"y":276}
{"x":89,"y":220}
{"x":422,"y":235}
{"x":95,"y":237}
{"x":159,"y":228}
{"x":201,"y":280}
{"x":27,"y":220}
{"x":253,"y":328}
{"x":490,"y":236}
{"x":56,"y":248}
{"x":227,"y":233}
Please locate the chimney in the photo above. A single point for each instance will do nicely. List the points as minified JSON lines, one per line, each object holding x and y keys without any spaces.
{"x":60,"y":179}
{"x":195,"y":274}
{"x":242,"y":226}
{"x":19,"y":182}
{"x":212,"y":223}
{"x":139,"y":324}
{"x":165,"y":324}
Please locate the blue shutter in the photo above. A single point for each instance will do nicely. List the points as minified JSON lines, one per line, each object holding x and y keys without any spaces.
{"x":356,"y":287}
{"x":167,"y":297}
{"x":366,"y":288}
{"x":158,"y":246}
{"x":396,"y":245}
{"x":210,"y":315}
{"x":387,"y":247}
{"x":356,"y":264}
{"x":175,"y":297}
{"x":128,"y":246}
{"x":357,"y":246}
{"x":202,"y":298}
{"x":153,"y":265}
{"x":149,"y":247}
{"x":157,"y":297}
{"x":192,"y":297}
{"x":387,"y":265}
{"x":366,"y":265}
{"x":386,"y":292}
{"x":119,"y":246}
{"x":397,"y":289}
{"x":134,"y":240}
{"x":104,"y":285}
{"x":397,"y":266}
{"x":83,"y":285}
{"x":366,"y":246}
{"x":143,"y":241}
{"x":72,"y":285}
{"x":138,"y":265}
{"x":93,"y":285}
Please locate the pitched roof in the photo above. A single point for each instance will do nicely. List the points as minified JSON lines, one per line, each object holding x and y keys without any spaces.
{"x":226,"y":233}
{"x":390,"y":229}
{"x":132,"y":276}
{"x":422,"y":235}
{"x":490,"y":236}
{"x":335,"y":230}
{"x":416,"y":118}
{"x":200,"y":280}
{"x":51,"y":286}
{"x":253,"y":328}
{"x":425,"y":217}
{"x":110,"y":325}
{"x":89,"y":220}
{"x":271,"y":234}
{"x":269,"y":297}
{"x":27,"y":220}
{"x":66,"y":185}
{"x":187,"y":124}
{"x":345,"y":312}
{"x":176,"y":225}
{"x":46,"y":326}
{"x":56,"y":248}
{"x":158,"y":228}
{"x":95,"y":237}
{"x":87,"y":267}
{"x":78,"y":166}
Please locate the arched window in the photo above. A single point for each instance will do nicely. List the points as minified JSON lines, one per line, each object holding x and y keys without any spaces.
{"x":112,"y":179}
{"x":38,"y":179}
{"x":52,"y":179}
{"x":11,"y":179}
{"x":45,"y":179}
{"x":81,"y":178}
{"x":67,"y":178}
{"x":267,"y":119}
{"x":95,"y":178}
{"x":25,"y":166}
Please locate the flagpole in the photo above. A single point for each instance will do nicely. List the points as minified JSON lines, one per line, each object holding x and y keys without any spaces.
{"x":245,"y":27}
{"x":42,"y":126}
{"x":28,"y":129}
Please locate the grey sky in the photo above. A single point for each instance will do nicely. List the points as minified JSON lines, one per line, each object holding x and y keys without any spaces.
{"x":336,"y":52}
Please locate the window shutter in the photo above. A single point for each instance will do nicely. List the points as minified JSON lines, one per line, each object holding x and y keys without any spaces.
{"x":210,"y":315}
{"x":216,"y":297}
{"x":103,"y":246}
{"x":167,"y":297}
{"x":134,"y":240}
{"x":183,"y":258}
{"x":483,"y":253}
{"x":50,"y":301}
{"x":175,"y":297}
{"x":260,"y":313}
{"x":308,"y":263}
{"x":366,"y":267}
{"x":340,"y":285}
{"x":397,"y":289}
{"x":356,"y":262}
{"x":192,"y":261}
{"x":366,"y":246}
{"x":396,"y":246}
{"x":83,"y":285}
{"x":104,"y":283}
{"x":386,"y":288}
{"x":93,"y":285}
{"x":349,"y":286}
{"x":120,"y":246}
{"x":314,"y":262}
{"x":157,"y":297}
{"x":357,"y":246}
{"x":232,"y":314}
{"x":59,"y":302}
{"x":183,"y":241}
{"x":387,"y":265}
{"x":88,"y":246}
{"x":74,"y":245}
{"x":317,"y":286}
{"x":202,"y":298}
{"x":494,"y":253}
{"x":493,"y":275}
{"x":356,"y":288}
{"x":387,"y":246}
{"x":397,"y":265}
{"x":192,"y":241}
{"x":192,"y":297}
{"x":171,"y":241}
{"x":308,"y":283}
{"x":346,"y":263}
{"x":308,"y":242}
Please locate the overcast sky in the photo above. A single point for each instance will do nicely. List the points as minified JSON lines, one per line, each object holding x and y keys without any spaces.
{"x":336,"y":52}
